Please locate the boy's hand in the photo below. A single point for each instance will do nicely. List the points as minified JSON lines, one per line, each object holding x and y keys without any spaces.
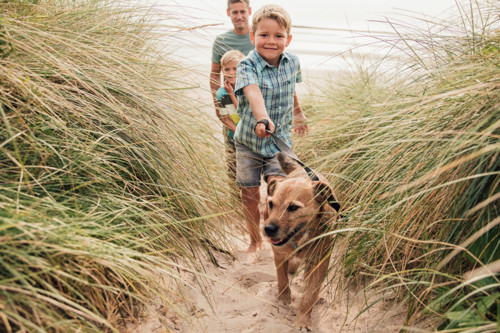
{"x":229,"y":88}
{"x":300,"y":124}
{"x":260,"y":128}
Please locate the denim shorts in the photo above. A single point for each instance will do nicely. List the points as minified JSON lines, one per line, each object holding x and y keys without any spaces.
{"x":250,"y":166}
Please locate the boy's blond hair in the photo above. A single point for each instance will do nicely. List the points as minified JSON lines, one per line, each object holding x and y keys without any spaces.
{"x":231,"y":55}
{"x":274,"y":12}
{"x":230,"y":2}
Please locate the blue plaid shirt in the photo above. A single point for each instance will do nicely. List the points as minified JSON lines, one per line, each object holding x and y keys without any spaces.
{"x":277,"y":86}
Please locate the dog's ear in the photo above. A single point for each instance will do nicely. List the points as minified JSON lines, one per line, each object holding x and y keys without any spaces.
{"x":324,"y":195}
{"x":271,"y":187}
{"x":287,"y":164}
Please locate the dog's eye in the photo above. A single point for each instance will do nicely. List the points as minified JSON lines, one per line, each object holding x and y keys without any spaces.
{"x":271,"y":205}
{"x":292,"y":208}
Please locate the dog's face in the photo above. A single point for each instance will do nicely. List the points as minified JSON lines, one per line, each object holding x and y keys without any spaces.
{"x":293,"y":206}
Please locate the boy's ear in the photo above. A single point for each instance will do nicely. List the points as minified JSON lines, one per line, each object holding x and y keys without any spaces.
{"x":288,"y":40}
{"x":252,"y":37}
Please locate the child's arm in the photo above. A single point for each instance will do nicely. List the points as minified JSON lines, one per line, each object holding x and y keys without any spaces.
{"x":299,"y":118}
{"x":254,"y":97}
{"x":230,"y":91}
{"x":223,"y":114}
{"x":228,"y":122}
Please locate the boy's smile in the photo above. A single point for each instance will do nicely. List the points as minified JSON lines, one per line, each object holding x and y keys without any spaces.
{"x":270,"y":40}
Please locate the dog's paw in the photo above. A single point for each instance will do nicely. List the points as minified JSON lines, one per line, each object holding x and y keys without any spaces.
{"x":303,"y":323}
{"x":285,"y":299}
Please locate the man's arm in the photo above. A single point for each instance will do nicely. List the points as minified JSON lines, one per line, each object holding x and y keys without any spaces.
{"x":299,"y":118}
{"x":215,"y":85}
{"x":254,"y":97}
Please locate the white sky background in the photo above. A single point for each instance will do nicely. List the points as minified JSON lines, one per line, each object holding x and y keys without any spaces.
{"x":348,"y":24}
{"x":344,"y":14}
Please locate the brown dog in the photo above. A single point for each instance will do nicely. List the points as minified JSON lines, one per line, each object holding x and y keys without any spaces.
{"x":300,"y":210}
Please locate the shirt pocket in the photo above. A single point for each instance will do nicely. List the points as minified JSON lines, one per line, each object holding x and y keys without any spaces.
{"x":286,"y":87}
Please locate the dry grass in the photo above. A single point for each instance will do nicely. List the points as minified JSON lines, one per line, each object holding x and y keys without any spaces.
{"x":106,"y":179}
{"x":414,"y":153}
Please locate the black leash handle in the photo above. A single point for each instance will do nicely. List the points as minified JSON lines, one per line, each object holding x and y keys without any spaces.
{"x":265,"y":122}
{"x":291,"y":154}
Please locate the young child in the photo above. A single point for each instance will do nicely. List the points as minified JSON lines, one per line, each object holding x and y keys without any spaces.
{"x":265,"y":81}
{"x":228,"y":103}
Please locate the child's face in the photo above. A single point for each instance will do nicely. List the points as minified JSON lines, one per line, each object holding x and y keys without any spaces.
{"x":229,"y":71}
{"x":270,"y":40}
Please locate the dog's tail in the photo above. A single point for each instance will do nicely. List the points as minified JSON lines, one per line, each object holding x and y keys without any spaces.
{"x":288,"y":165}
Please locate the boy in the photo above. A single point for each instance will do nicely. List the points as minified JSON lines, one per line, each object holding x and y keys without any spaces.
{"x":228,"y":103}
{"x":266,"y":81}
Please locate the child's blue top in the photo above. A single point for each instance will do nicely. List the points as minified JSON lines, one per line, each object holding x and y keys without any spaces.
{"x":277,"y":86}
{"x":227,"y":108}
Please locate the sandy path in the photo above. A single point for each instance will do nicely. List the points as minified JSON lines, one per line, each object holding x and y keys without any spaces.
{"x":242,"y":295}
{"x":242,"y":298}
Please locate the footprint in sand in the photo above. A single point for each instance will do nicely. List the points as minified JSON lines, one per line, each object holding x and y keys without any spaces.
{"x":251,"y":279}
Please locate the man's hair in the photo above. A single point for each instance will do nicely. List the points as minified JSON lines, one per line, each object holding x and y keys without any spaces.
{"x":230,"y":2}
{"x":231,"y":55}
{"x":274,"y":12}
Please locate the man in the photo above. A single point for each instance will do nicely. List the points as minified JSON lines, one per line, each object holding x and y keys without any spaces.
{"x":238,"y":38}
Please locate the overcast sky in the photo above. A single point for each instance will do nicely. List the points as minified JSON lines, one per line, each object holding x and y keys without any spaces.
{"x":343,"y":14}
{"x":315,"y":47}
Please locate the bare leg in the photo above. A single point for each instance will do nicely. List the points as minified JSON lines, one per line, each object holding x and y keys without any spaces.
{"x":250,"y":198}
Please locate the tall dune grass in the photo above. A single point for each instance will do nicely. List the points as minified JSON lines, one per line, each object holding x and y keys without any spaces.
{"x":104,"y":181}
{"x":414,"y":155}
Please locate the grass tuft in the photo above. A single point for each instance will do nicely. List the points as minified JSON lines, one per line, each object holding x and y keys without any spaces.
{"x":108,"y":177}
{"x":413,"y":152}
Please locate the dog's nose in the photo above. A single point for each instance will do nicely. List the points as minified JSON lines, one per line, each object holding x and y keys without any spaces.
{"x":271,"y":229}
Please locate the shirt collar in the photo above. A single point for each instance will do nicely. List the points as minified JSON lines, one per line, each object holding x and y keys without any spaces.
{"x":263,"y":64}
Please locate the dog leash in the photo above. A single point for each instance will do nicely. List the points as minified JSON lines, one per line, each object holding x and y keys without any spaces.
{"x":283,"y":147}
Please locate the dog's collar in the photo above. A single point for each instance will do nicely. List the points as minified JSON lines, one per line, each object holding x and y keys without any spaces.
{"x":303,"y":233}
